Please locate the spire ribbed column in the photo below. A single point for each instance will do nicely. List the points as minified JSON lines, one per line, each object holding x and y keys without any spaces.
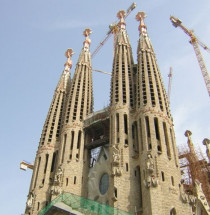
{"x":159,"y":168}
{"x":122,"y":101}
{"x":79,"y":105}
{"x":44,"y":167}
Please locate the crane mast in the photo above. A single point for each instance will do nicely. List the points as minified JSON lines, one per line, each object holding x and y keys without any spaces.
{"x":195,"y":43}
{"x":169,"y":84}
{"x":112,"y":28}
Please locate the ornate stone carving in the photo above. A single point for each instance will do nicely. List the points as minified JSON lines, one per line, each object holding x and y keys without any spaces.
{"x":55,"y":190}
{"x":30,"y":200}
{"x":58,"y":176}
{"x":116,"y":170}
{"x":151,"y":176}
{"x":183,"y":195}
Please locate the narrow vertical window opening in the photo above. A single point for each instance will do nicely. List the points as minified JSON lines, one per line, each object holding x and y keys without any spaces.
{"x":126,"y":167}
{"x":141,"y":135}
{"x":72,"y":139}
{"x":53,"y":162}
{"x":75,"y":179}
{"x":46,"y":162}
{"x":172,"y":180}
{"x":157,"y":133}
{"x":166,"y":140}
{"x":125,"y":123}
{"x":64,"y":147}
{"x":117,"y":122}
{"x":115,"y":192}
{"x":162,"y":176}
{"x":148,"y":133}
{"x":37,"y":171}
{"x":79,"y":140}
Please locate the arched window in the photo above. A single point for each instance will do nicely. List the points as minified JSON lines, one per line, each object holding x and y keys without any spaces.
{"x":173,"y":211}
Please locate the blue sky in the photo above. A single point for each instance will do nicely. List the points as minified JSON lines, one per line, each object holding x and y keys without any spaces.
{"x":34,"y":36}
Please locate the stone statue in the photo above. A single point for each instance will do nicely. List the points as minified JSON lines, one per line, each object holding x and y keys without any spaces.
{"x":150,"y":163}
{"x":58,"y":175}
{"x":151,"y":178}
{"x":116,"y":156}
{"x":30,"y":200}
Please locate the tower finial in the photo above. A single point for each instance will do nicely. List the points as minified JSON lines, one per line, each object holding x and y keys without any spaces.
{"x":189,"y":141}
{"x":68,"y":64}
{"x":87,"y":41}
{"x":206,"y":142}
{"x":142,"y":27}
{"x":121,"y":15}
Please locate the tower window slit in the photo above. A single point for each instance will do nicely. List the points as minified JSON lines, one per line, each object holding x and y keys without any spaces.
{"x":75,"y":179}
{"x":117,"y":122}
{"x":150,"y":81}
{"x":166,"y":140}
{"x":79,"y":140}
{"x":64,"y":147}
{"x":157,"y":133}
{"x":37,"y":171}
{"x":141,"y":135}
{"x":148,"y":133}
{"x":157,"y":85}
{"x":173,"y":146}
{"x":72,"y":139}
{"x":125,"y":124}
{"x":38,"y":205}
{"x":126,"y":167}
{"x":172,"y":180}
{"x":162,"y":176}
{"x":46,"y":162}
{"x":53,"y":162}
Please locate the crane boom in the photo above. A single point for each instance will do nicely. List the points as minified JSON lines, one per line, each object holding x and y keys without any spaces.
{"x":112,"y":28}
{"x":169,"y":84}
{"x":96,"y":70}
{"x":195,"y":42}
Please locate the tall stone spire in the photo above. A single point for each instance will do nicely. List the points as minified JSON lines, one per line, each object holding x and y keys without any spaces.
{"x":78,"y":106}
{"x":150,"y":82}
{"x":44,"y":167}
{"x":122,"y":78}
{"x":158,"y":160}
{"x":120,"y":107}
{"x":80,"y":102}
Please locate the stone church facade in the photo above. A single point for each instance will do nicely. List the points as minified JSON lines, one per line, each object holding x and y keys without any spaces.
{"x":136,"y":168}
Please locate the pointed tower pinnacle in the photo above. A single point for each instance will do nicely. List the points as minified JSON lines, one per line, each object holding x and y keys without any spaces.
{"x":154,"y":93}
{"x":142,"y":27}
{"x":79,"y":105}
{"x":87,"y":41}
{"x":68,"y":64}
{"x":158,"y":154}
{"x":121,"y":100}
{"x":189,"y":142}
{"x":44,"y":167}
{"x":64,"y":82}
{"x":121,"y":15}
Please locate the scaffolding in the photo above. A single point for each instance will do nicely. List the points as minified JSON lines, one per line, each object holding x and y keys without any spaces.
{"x":194,"y":167}
{"x":83,"y":205}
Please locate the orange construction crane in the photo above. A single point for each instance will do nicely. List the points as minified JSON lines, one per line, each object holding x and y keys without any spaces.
{"x":112,"y":29}
{"x":195,"y":42}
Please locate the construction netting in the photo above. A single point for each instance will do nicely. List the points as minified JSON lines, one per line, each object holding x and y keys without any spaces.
{"x":83,"y":205}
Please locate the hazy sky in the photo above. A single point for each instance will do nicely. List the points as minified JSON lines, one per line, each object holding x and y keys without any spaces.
{"x":34,"y":36}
